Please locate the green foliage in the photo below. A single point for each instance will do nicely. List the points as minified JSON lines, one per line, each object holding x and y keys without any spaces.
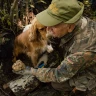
{"x":4,"y":19}
{"x":33,"y":5}
{"x":88,"y":11}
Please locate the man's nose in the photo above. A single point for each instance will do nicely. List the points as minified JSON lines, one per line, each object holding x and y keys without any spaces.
{"x":48,"y":28}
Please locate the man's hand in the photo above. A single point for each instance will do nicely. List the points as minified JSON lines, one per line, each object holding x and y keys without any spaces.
{"x":26,"y":71}
{"x":18,"y":65}
{"x":20,"y":68}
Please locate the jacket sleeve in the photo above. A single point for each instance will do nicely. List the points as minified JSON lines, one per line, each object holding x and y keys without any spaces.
{"x":67,"y":69}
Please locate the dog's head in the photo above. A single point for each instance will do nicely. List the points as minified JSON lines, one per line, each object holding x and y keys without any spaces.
{"x":37,"y":31}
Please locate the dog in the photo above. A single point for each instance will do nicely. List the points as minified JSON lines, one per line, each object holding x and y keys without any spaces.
{"x":31,"y":42}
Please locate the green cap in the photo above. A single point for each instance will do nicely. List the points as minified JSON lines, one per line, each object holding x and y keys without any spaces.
{"x":67,"y":11}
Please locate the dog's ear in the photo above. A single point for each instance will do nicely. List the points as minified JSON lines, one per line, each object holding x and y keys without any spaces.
{"x":32,"y":33}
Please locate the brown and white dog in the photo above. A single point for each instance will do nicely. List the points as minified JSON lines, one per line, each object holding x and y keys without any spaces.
{"x":31,"y":42}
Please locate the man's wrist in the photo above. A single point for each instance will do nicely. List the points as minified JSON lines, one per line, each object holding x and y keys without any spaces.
{"x":34,"y":71}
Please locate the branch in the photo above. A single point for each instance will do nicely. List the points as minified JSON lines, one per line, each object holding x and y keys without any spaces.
{"x":15,"y":3}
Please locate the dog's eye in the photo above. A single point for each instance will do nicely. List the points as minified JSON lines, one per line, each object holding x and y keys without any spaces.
{"x":30,"y":17}
{"x":42,"y":29}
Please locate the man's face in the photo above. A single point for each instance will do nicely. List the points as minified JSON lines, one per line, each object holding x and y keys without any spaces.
{"x":58,"y":30}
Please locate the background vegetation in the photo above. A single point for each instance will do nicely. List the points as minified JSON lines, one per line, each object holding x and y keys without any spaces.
{"x":11,"y":11}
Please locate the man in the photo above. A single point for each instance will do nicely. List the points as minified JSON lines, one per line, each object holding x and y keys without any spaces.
{"x":77,"y":35}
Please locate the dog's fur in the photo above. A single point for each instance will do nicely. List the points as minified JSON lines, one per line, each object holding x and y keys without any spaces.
{"x":31,"y":42}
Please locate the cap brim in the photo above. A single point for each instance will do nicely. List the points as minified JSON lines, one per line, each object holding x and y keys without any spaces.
{"x":46,"y":19}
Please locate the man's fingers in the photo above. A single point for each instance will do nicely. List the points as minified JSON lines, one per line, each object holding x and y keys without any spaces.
{"x":18,"y":65}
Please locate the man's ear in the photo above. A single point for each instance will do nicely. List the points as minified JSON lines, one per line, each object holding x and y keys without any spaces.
{"x":71,"y":27}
